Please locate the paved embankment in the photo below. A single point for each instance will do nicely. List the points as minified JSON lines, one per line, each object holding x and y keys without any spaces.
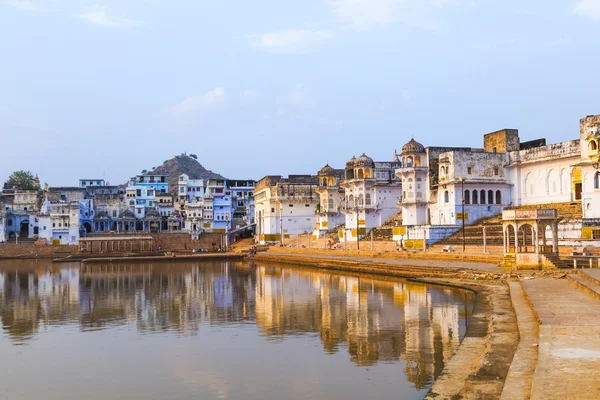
{"x":520,"y":375}
{"x":191,"y":257}
{"x":569,"y":341}
{"x":480,"y":366}
{"x":448,"y":265}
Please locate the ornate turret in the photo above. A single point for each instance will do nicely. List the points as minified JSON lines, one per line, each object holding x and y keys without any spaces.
{"x":364,"y":161}
{"x":127,"y":214}
{"x":326,"y":171}
{"x":350,"y":163}
{"x":413,"y":147}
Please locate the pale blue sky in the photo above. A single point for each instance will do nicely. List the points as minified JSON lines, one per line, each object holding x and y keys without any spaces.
{"x":260,"y":87}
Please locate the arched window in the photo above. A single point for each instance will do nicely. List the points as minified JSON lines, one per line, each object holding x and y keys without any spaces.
{"x":443,"y":170}
{"x":490,"y":197}
{"x":467,"y":197}
{"x":482,"y":197}
{"x":351,"y":201}
{"x":475,"y":197}
{"x":330,"y":205}
{"x":360,"y":200}
{"x":330,"y":182}
{"x":593,"y":146}
{"x":368,"y":199}
{"x":409,"y":162}
{"x":360,"y":174}
{"x":446,"y":197}
{"x":417,"y":161}
{"x":597,"y":180}
{"x":498,"y":197}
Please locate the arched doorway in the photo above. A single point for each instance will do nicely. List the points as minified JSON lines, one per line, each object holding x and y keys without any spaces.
{"x":577,"y":183}
{"x":510,"y":239}
{"x":526,"y":239}
{"x":24,"y":231}
{"x":87,"y":226}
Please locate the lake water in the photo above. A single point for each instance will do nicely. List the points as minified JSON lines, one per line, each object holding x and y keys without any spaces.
{"x":220,"y":330}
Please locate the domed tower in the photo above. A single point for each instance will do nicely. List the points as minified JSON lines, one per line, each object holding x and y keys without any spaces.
{"x":330,"y":200}
{"x":364,"y":167}
{"x":413,"y":173}
{"x":327,"y":176}
{"x":359,"y":196}
{"x":349,"y":172}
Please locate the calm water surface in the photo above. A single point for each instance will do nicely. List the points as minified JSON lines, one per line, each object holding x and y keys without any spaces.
{"x":220,"y":331}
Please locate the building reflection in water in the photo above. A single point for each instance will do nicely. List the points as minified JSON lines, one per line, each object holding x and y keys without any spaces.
{"x":374,"y":319}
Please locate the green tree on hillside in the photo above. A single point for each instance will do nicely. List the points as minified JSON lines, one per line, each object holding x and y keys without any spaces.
{"x":195,"y":157}
{"x":23,"y":180}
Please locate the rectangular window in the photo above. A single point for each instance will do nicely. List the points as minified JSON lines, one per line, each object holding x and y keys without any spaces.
{"x":596,"y":234}
{"x":496,"y":171}
{"x":469,"y":170}
{"x":291,"y":205}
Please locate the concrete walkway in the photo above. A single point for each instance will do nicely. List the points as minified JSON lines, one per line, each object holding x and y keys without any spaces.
{"x":569,"y":350}
{"x":450,"y":265}
{"x":520,"y":375}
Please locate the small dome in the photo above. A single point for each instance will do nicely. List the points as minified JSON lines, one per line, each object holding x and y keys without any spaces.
{"x":364,"y":161}
{"x":127,"y":214}
{"x":413,"y":147}
{"x":326,"y":171}
{"x":351,"y":162}
{"x":152,"y":214}
{"x":101,"y":215}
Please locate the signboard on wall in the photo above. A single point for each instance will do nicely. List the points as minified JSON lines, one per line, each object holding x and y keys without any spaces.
{"x":399,"y":230}
{"x":459,"y":216}
{"x":414,"y":244}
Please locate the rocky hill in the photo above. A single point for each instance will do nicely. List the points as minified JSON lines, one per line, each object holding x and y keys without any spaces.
{"x":183,"y":164}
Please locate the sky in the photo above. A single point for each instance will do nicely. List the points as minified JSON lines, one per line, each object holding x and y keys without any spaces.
{"x":107,"y":88}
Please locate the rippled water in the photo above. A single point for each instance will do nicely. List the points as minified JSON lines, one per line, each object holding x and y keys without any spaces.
{"x":220,"y":331}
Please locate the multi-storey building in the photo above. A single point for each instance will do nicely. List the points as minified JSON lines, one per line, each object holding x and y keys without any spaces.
{"x":372,"y":193}
{"x":20,"y":207}
{"x":164,"y":204}
{"x":190,"y":189}
{"x":242,"y":198}
{"x":86,"y":183}
{"x":331,"y":200}
{"x":146,"y":187}
{"x":285,"y":206}
{"x":59,"y":222}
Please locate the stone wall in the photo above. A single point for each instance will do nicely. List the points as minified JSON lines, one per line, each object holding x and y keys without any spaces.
{"x":501,"y":141}
{"x":181,"y":241}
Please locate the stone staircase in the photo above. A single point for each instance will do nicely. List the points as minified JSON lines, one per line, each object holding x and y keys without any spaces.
{"x":384,"y":232}
{"x":588,"y":281}
{"x":558,"y":262}
{"x":474,"y":234}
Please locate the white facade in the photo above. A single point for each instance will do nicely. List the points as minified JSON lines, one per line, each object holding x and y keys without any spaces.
{"x":369,"y":202}
{"x":285,"y":206}
{"x":482,"y":177}
{"x":59,"y":223}
{"x":331,"y":200}
{"x":190,"y":189}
